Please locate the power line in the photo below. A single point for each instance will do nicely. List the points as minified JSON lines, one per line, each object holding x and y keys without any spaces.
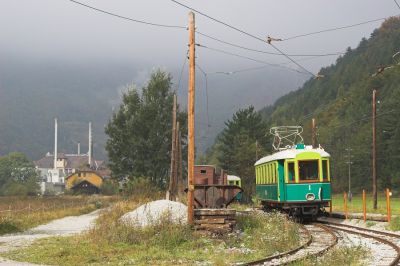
{"x":206,"y":78}
{"x":127,"y":18}
{"x":264,"y":52}
{"x":245,"y":33}
{"x":251,"y":59}
{"x":183,"y":66}
{"x":364,"y":118}
{"x":333,"y":29}
{"x":397,"y":4}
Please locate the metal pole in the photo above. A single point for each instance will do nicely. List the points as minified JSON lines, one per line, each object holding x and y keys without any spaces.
{"x":191,"y":109}
{"x":374,"y":177}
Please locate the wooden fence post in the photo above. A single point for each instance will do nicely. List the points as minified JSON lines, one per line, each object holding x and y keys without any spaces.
{"x":345,"y":204}
{"x":388,"y":194}
{"x":364,"y":205}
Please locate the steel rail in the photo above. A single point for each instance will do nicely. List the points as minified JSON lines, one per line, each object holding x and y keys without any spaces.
{"x":338,"y":227}
{"x":303,"y":246}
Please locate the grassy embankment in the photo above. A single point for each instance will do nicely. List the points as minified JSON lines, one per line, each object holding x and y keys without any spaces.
{"x":114,"y":243}
{"x":19,"y":214}
{"x":355,"y":206}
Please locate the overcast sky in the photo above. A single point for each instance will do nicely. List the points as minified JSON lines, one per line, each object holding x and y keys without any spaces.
{"x":62,"y":30}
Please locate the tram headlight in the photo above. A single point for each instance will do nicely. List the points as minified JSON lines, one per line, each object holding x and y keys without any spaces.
{"x":310,"y":197}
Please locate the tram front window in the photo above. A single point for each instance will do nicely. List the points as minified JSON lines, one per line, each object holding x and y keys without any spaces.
{"x":308,"y":170}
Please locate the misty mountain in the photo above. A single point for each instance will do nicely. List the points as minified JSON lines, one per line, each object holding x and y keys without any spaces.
{"x":33,"y":92}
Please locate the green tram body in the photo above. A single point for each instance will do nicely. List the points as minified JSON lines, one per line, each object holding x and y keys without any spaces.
{"x":296,"y":180}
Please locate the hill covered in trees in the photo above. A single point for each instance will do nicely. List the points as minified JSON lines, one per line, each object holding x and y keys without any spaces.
{"x":341,"y":103}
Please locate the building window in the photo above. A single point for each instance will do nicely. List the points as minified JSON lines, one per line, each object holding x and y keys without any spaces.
{"x":203,"y":171}
{"x":308,"y":170}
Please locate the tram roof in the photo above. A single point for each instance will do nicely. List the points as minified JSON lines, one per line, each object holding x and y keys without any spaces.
{"x":291,"y":154}
{"x":233,"y":177}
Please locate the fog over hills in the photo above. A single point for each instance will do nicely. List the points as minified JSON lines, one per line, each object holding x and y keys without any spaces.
{"x":33,"y":92}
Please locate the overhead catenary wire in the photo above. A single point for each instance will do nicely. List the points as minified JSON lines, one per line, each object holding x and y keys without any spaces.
{"x":246,"y":33}
{"x":333,"y":29}
{"x":265,"y":52}
{"x":127,"y":18}
{"x":251,"y":59}
{"x":397,"y":3}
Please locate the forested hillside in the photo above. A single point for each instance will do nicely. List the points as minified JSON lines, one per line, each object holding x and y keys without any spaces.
{"x":341,"y":103}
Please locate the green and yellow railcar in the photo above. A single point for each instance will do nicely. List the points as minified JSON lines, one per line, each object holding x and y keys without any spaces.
{"x":295,"y":179}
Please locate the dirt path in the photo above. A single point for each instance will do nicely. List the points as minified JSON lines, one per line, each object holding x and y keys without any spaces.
{"x":62,"y":227}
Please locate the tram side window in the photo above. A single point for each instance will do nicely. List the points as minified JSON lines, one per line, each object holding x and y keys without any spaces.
{"x":308,"y":170}
{"x":325,"y":169}
{"x":291,"y":172}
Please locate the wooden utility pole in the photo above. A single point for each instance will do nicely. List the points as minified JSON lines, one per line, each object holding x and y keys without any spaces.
{"x":176,"y":161}
{"x":180,"y":166}
{"x":374,"y":181}
{"x":172,"y":178}
{"x":191,"y":102}
{"x":314,"y":134}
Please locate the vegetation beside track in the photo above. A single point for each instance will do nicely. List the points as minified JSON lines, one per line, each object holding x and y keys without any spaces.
{"x":355,"y":205}
{"x":18,"y":214}
{"x":353,"y":256}
{"x":111,"y":242}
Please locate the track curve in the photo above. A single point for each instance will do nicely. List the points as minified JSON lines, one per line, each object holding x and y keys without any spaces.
{"x":320,"y":239}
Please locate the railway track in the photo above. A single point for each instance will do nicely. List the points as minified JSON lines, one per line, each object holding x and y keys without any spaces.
{"x":318,"y":239}
{"x":386,"y":244}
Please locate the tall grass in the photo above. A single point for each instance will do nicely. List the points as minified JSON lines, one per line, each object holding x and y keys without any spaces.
{"x":112,"y":241}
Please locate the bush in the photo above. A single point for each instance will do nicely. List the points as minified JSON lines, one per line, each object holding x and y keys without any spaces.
{"x":141,"y":186}
{"x":109,"y":188}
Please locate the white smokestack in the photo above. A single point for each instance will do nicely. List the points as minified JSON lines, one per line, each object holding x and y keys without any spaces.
{"x":79,"y":148}
{"x":90,"y":144}
{"x":55,"y":143}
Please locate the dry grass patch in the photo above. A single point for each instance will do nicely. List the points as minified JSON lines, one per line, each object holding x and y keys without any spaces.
{"x":164,"y":243}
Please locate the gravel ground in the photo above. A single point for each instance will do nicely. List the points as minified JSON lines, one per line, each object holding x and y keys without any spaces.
{"x":379,"y":226}
{"x":62,"y":227}
{"x":379,"y":253}
{"x":152,"y":212}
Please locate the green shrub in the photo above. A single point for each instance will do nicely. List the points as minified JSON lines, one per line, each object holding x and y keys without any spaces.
{"x":109,"y":188}
{"x":8,"y":226}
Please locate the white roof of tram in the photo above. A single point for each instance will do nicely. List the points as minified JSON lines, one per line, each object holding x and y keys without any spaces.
{"x":233,"y":177}
{"x":291,"y":154}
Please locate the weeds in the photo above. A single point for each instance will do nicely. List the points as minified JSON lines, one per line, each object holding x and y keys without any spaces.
{"x":353,"y":256}
{"x":394,"y":224}
{"x":114,"y":242}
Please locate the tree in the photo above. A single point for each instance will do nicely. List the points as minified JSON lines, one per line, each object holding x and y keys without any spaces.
{"x":18,"y":175}
{"x":237,"y":146}
{"x":140,"y":131}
